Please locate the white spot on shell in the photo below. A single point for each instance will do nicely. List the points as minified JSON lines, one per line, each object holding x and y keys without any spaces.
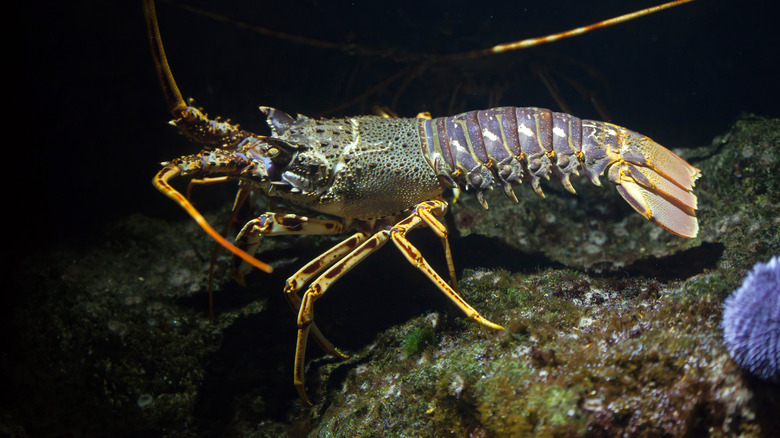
{"x":559,"y":132}
{"x":522,"y":129}
{"x":460,"y":148}
{"x":489,"y":135}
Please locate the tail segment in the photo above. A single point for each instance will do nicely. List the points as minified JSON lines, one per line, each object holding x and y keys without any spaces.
{"x":656,"y":183}
{"x":509,"y":146}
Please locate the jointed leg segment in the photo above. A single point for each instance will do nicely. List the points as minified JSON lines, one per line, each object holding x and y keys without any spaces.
{"x":274,"y":224}
{"x":414,"y":257}
{"x":251,"y":235}
{"x":423,"y":214}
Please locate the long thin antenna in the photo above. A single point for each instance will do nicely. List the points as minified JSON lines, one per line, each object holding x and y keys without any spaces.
{"x":171,"y":91}
{"x":530,"y":42}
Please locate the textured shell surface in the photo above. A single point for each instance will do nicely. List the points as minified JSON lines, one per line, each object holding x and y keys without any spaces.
{"x":362,"y":167}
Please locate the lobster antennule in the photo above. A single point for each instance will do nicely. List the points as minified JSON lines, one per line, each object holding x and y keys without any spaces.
{"x":160,"y":182}
{"x":657,"y":183}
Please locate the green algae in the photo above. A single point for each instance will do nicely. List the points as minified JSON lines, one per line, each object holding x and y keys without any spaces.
{"x":417,"y":340}
{"x":563,"y":379}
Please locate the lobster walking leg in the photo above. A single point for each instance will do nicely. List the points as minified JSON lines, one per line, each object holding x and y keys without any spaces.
{"x":269,"y":224}
{"x":273,"y":224}
{"x":398,"y":233}
{"x":441,"y":231}
{"x":315,"y":290}
{"x":423,"y":214}
{"x":322,"y":262}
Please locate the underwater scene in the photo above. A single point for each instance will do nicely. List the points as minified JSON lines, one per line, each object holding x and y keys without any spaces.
{"x":125,"y":318}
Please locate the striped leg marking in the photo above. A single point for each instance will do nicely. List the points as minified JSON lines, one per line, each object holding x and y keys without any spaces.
{"x":423,"y":214}
{"x":413,"y":255}
{"x":273,"y":224}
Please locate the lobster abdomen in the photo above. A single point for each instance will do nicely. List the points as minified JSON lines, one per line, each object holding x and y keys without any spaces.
{"x":509,"y":145}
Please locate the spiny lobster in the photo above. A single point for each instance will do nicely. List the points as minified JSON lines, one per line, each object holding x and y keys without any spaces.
{"x":383,"y":177}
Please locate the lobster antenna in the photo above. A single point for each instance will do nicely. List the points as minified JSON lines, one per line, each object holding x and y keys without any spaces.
{"x":160,"y":181}
{"x":171,"y":91}
{"x":177,"y":106}
{"x":530,"y":42}
{"x":365,"y":51}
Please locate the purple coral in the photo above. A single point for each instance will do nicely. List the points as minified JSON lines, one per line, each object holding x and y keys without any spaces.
{"x":751,"y":321}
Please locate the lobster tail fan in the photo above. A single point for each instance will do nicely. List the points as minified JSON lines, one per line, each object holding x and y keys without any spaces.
{"x":657,"y":183}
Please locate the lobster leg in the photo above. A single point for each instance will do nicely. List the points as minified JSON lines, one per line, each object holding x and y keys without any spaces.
{"x":423,"y":214}
{"x":241,"y":196}
{"x":313,"y":268}
{"x":249,"y":240}
{"x":441,"y":231}
{"x":315,"y":290}
{"x":274,"y":224}
{"x":322,"y":262}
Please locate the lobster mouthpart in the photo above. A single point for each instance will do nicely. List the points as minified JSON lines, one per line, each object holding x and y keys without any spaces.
{"x":656,"y":182}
